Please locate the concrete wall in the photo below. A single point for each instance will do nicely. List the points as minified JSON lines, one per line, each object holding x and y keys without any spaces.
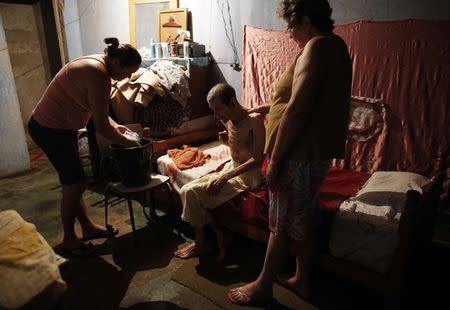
{"x":23,"y":30}
{"x":13,"y":150}
{"x":101,"y":17}
{"x":72,"y":28}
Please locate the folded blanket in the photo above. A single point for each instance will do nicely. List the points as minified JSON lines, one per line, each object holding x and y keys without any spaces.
{"x":28,"y":264}
{"x":187,"y":157}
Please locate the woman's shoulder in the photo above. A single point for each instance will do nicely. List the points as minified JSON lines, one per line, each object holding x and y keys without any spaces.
{"x":92,"y":63}
{"x":323,"y":46}
{"x":88,"y":72}
{"x":89,"y":67}
{"x":326,"y":43}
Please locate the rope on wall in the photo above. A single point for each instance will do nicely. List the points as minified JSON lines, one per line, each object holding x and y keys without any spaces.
{"x":228,"y":27}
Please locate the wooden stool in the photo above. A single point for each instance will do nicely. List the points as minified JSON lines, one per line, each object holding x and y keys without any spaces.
{"x":118,"y":189}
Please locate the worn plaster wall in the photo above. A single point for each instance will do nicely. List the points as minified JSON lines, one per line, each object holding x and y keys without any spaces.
{"x":72,"y":28}
{"x":13,"y":149}
{"x":24,"y":36}
{"x":100,"y":19}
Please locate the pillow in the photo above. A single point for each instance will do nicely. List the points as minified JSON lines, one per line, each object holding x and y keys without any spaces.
{"x":384,"y":193}
{"x":365,"y":118}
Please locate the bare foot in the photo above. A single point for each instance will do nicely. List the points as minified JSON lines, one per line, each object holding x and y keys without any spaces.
{"x":191,"y":250}
{"x":223,"y":242}
{"x":250,"y":294}
{"x":294,"y":285}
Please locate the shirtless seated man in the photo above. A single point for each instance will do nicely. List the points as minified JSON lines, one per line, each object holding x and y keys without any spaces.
{"x":245,"y":135}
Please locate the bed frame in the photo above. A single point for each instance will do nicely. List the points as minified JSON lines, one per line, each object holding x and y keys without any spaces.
{"x":415,"y":234}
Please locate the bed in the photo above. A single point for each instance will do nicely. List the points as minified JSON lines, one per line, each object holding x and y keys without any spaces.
{"x":399,"y":113}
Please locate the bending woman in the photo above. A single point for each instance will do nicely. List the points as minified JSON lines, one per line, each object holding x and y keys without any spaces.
{"x":79,"y":91}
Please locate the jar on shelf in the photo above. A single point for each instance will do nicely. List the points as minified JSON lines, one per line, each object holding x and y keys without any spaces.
{"x":173,"y":48}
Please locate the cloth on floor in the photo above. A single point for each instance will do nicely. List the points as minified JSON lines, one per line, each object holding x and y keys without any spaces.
{"x":28,"y":265}
{"x":188,"y":157}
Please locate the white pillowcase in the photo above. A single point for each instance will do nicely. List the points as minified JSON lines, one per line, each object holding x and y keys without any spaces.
{"x":384,"y":194}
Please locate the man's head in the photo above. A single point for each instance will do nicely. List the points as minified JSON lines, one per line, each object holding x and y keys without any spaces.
{"x":222,"y":100}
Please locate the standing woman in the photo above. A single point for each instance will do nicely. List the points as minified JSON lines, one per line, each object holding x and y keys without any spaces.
{"x":80,"y":90}
{"x":307,"y":128}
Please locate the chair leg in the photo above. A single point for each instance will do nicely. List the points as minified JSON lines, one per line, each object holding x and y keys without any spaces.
{"x":106,"y":208}
{"x":130,"y":209}
{"x":152,"y":206}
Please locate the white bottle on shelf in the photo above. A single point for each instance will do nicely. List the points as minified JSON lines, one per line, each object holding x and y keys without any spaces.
{"x":186,"y":49}
{"x":152,"y":48}
{"x":165,"y":49}
{"x":159,"y":53}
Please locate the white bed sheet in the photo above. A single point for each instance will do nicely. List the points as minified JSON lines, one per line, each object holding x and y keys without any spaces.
{"x":219,"y":153}
{"x":367,"y":240}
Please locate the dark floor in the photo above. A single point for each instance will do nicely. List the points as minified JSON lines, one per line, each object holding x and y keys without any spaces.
{"x":137,"y":275}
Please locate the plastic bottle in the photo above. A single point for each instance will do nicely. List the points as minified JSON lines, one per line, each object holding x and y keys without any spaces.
{"x":152,"y":48}
{"x":165,"y":49}
{"x":186,"y":49}
{"x":159,"y":52}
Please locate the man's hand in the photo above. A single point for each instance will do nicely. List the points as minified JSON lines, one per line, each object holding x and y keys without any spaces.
{"x":273,"y":175}
{"x":223,"y":137}
{"x":216,"y":184}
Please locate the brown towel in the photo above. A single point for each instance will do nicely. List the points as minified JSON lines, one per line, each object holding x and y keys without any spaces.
{"x":187,"y":157}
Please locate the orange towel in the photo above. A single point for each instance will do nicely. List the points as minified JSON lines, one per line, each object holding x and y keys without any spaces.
{"x":187,"y":157}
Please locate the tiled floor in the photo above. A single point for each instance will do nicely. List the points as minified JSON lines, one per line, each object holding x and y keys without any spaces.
{"x":125,"y":275}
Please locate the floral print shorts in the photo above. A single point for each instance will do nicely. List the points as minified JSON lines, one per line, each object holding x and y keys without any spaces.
{"x":294,"y":202}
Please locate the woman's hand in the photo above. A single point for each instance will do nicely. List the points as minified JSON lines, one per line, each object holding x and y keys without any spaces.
{"x":121,"y":128}
{"x":216,"y":184}
{"x":131,"y":141}
{"x":262,"y":109}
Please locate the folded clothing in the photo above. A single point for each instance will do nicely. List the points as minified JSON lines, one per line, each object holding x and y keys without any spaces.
{"x":187,"y":157}
{"x":384,"y":194}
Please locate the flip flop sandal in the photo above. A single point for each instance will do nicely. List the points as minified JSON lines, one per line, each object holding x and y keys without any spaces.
{"x":108,"y":233}
{"x":249,"y":301}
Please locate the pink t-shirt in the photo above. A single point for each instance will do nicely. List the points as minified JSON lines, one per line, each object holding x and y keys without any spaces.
{"x":64,"y":105}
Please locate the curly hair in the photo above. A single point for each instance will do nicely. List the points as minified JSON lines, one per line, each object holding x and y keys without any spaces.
{"x":126,"y":53}
{"x":318,"y":11}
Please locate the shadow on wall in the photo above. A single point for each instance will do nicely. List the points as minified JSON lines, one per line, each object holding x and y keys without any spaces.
{"x":216,"y":75}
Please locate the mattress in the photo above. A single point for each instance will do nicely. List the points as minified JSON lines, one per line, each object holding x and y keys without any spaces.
{"x":367,"y":240}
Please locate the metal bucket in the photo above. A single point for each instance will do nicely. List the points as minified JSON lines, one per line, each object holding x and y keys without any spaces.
{"x":134,"y":162}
